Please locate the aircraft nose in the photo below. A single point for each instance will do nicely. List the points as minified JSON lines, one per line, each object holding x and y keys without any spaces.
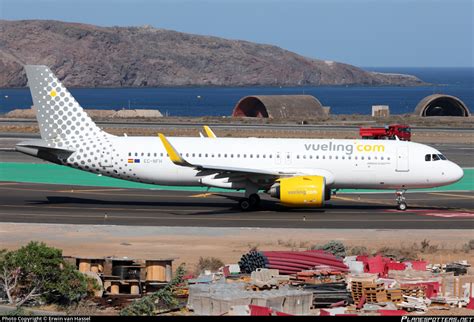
{"x":455,"y":173}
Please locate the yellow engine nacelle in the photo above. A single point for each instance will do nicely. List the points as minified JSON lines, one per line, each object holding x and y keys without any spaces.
{"x":303,"y":191}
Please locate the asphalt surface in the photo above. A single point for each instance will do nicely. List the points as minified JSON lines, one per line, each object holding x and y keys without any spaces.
{"x":462,"y":154}
{"x":41,"y":203}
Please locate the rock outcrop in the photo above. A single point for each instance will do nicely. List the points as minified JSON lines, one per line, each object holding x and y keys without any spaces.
{"x":91,"y":56}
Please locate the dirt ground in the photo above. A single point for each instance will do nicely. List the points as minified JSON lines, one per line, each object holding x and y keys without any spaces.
{"x":188,"y":244}
{"x":459,"y":137}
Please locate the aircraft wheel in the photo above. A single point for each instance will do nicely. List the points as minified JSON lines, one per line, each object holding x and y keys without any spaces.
{"x":402,"y":206}
{"x":245,"y":204}
{"x":254,"y":200}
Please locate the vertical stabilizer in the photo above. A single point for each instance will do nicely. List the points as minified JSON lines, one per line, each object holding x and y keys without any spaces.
{"x":59,"y":115}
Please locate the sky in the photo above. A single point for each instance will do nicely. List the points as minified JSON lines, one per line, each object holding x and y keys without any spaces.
{"x":365,"y":33}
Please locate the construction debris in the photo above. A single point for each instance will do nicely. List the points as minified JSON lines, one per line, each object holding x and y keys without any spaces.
{"x":218,"y":298}
{"x":290,"y":262}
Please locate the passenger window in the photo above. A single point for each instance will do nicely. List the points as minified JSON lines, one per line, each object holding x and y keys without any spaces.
{"x":428,"y":157}
{"x":136,"y":154}
{"x":129,"y":154}
{"x":205,"y":155}
{"x":304,"y":156}
{"x":435,"y":157}
{"x":270,"y":156}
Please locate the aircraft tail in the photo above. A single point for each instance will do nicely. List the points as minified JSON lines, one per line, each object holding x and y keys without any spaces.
{"x":59,"y":115}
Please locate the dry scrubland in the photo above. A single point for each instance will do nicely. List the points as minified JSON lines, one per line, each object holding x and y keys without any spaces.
{"x":228,"y":244}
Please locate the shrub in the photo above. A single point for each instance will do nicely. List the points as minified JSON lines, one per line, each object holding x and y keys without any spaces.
{"x":162,"y":299}
{"x":38,"y":272}
{"x":334,"y":247}
{"x":358,"y":250}
{"x":208,"y":263}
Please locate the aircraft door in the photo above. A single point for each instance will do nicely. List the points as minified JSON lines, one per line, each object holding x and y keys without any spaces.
{"x":402,"y":159}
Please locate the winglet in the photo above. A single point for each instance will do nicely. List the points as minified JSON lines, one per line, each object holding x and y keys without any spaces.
{"x":209,"y":133}
{"x":174,"y":156}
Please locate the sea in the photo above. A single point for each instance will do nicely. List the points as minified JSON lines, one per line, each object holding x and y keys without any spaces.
{"x":220,"y":101}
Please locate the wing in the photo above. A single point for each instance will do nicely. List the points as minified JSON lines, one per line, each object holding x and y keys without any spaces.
{"x":264,"y":177}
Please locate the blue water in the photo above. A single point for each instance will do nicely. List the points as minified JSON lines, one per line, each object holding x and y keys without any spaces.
{"x":220,"y":101}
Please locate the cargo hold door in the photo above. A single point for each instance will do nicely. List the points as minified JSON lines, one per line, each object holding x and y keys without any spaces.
{"x":402,"y":159}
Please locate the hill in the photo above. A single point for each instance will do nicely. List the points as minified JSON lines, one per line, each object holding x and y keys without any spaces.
{"x":92,"y":56}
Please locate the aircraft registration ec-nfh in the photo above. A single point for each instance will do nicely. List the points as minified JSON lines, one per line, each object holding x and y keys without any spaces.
{"x":298,"y":172}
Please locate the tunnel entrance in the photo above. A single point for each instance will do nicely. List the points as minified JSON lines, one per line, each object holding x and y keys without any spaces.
{"x":251,"y":107}
{"x":441,"y":105}
{"x":278,"y":106}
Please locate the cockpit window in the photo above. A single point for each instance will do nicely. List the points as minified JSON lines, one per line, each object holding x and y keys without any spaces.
{"x":442,"y":157}
{"x":435,"y":157}
{"x":428,"y":157}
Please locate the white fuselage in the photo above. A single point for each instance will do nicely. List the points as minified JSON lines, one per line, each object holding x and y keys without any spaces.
{"x":359,"y":164}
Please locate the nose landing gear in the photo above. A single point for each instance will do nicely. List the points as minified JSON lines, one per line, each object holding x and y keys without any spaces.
{"x":401,"y":203}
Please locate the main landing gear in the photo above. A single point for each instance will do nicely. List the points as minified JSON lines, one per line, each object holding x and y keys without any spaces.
{"x":250,"y":203}
{"x":401,"y":203}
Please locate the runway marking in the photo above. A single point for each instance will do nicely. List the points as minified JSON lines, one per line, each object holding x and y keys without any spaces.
{"x":8,"y":183}
{"x":449,"y":215}
{"x":90,"y":190}
{"x":452,"y":195}
{"x":134,"y":218}
{"x":361,"y":200}
{"x":101,"y":194}
{"x":202,"y":195}
{"x":439,"y":213}
{"x":161,"y":209}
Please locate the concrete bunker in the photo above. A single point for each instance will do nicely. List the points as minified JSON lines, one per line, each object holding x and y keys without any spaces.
{"x":279,"y":106}
{"x":441,"y":105}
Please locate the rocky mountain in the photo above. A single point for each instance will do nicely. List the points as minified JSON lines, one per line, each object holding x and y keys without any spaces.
{"x":92,"y":56}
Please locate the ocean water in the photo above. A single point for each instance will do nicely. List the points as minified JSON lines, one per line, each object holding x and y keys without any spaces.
{"x":220,"y":101}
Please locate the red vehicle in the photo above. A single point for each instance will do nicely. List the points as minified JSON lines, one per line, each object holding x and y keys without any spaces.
{"x":388,"y":132}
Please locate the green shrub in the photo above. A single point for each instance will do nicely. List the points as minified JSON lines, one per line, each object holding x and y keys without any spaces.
{"x":36,"y":272}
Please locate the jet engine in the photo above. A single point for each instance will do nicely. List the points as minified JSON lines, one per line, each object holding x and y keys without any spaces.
{"x":309,"y":191}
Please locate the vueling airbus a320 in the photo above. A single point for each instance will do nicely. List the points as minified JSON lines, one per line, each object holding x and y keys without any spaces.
{"x":298,"y":172}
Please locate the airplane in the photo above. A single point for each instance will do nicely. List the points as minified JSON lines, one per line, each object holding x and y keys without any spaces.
{"x":298,"y":172}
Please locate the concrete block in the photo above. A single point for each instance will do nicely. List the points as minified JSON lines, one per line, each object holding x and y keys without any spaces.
{"x":380,"y":111}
